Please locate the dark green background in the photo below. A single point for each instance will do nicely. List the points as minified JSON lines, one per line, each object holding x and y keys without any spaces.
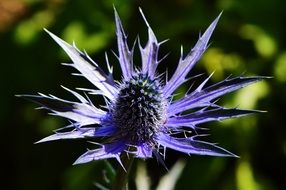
{"x":250,"y":39}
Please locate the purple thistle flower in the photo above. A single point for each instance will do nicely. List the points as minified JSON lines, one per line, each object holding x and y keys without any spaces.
{"x":140,"y":117}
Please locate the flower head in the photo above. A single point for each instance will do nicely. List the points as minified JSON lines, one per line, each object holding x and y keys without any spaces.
{"x":140,"y":117}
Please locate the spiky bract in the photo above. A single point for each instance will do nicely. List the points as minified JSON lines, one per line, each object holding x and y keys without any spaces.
{"x":140,"y":117}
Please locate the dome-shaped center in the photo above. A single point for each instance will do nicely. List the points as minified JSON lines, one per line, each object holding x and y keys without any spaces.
{"x":140,"y":109}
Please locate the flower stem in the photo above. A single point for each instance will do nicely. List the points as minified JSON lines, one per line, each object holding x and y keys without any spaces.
{"x":121,"y":179}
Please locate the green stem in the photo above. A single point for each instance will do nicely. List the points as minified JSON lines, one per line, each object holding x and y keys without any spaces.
{"x":121,"y":178}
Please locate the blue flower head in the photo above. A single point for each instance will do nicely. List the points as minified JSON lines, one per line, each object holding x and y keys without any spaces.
{"x":140,"y":118}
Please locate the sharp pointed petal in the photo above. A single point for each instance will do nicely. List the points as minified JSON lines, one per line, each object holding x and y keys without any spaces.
{"x":190,"y":146}
{"x":203,"y":116}
{"x":106,"y":151}
{"x":125,"y":56}
{"x":203,"y":97}
{"x":87,"y":67}
{"x":82,"y":113}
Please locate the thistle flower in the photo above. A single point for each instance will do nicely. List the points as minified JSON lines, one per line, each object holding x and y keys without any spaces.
{"x":140,"y":118}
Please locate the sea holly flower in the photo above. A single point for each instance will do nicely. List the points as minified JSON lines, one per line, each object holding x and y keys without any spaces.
{"x":140,"y":117}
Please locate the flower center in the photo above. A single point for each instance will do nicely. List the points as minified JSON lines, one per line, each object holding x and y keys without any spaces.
{"x":140,"y":109}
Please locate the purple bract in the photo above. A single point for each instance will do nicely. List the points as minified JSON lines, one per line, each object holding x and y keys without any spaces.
{"x":140,"y":118}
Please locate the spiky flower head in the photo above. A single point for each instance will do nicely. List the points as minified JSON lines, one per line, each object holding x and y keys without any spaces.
{"x":140,"y":118}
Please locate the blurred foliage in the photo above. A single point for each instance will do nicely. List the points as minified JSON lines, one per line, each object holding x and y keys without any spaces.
{"x":249,"y":39}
